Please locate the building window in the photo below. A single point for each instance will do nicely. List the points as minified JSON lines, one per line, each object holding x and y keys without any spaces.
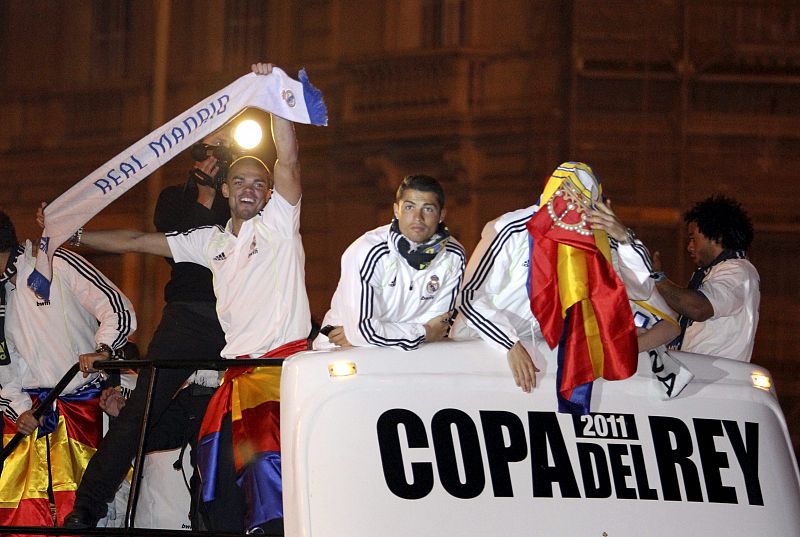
{"x":245,"y":30}
{"x":444,"y":23}
{"x":109,"y":38}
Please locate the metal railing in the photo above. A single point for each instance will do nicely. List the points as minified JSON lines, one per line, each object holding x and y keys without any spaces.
{"x":128,"y":529}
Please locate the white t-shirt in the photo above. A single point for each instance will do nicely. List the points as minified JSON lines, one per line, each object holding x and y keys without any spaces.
{"x":259,"y":277}
{"x":732,"y":287}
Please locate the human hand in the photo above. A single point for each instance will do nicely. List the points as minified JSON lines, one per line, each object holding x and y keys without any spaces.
{"x":209,"y":167}
{"x":337,"y":337}
{"x":261,"y":68}
{"x":437,"y":328}
{"x":603,"y":218}
{"x":87,"y":361}
{"x":40,"y":214}
{"x":27,"y":423}
{"x":111,"y":401}
{"x":656,"y":261}
{"x":522,"y":367}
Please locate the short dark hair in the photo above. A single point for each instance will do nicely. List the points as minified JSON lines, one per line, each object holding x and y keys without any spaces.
{"x":255,"y":160}
{"x":423,"y":183}
{"x":8,"y":235}
{"x":723,"y":220}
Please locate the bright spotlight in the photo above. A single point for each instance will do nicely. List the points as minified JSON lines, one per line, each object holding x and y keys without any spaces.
{"x":248,"y":134}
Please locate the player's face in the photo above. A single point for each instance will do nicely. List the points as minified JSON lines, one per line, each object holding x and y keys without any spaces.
{"x":701,"y":249}
{"x":247,"y":189}
{"x":418,"y":214}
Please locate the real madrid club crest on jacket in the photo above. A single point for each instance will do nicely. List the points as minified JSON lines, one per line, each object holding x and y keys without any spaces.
{"x":389,"y":288}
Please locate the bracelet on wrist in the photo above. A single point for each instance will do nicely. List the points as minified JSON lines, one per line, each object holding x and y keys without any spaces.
{"x":630,"y":237}
{"x":658,"y":276}
{"x":75,"y":239}
{"x":102,"y":347}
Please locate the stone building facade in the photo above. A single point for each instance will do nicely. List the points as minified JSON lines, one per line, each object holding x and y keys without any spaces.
{"x":669,"y":101}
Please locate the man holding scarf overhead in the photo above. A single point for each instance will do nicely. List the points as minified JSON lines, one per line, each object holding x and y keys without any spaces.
{"x":259,"y":279}
{"x":541,"y":282}
{"x":399,"y":282}
{"x":86,"y":318}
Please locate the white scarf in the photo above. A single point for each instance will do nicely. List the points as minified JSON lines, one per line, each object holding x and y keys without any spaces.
{"x":276,"y":93}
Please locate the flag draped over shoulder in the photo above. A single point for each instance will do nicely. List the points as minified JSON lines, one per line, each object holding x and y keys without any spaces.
{"x":252,"y":398}
{"x":575,"y":294}
{"x":75,"y":430}
{"x":296,"y":101}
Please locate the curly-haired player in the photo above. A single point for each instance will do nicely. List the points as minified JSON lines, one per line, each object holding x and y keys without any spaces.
{"x":719,"y":308}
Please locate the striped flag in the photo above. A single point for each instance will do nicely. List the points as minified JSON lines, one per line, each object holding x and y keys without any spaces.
{"x":75,"y":430}
{"x":252,"y":398}
{"x":576,"y":295}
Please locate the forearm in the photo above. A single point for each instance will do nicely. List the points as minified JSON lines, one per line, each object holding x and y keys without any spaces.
{"x":407,"y":336}
{"x":13,"y":401}
{"x":661,"y":334}
{"x":287,"y":165}
{"x":122,"y":241}
{"x":687,"y":302}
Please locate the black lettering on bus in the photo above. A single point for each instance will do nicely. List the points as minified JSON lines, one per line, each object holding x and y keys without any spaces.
{"x":392,"y":455}
{"x":669,"y":457}
{"x":545,"y":431}
{"x":592,"y":458}
{"x":640,"y":470}
{"x":712,"y":460}
{"x":620,"y":471}
{"x":747,"y":456}
{"x":446,"y":457}
{"x":499,"y":455}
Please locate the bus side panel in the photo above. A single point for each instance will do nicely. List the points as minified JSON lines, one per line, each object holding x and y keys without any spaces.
{"x":395,"y":454}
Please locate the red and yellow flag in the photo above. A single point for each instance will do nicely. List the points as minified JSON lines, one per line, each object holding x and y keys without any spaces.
{"x":575,"y":293}
{"x":24,"y":482}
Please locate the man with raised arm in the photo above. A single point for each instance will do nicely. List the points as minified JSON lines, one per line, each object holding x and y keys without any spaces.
{"x":257,"y":261}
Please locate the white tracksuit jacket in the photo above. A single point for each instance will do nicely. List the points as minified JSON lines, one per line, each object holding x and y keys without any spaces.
{"x":382,"y":301}
{"x":45,"y":338}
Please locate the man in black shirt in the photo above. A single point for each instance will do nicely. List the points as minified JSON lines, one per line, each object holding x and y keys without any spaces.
{"x":189,"y":329}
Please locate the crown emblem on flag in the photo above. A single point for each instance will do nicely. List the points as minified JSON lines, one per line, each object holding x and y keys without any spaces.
{"x":568,"y":208}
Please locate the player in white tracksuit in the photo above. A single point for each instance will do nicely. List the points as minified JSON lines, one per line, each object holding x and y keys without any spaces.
{"x":494,"y":304}
{"x":495,"y":300}
{"x":399,"y":282}
{"x":46,"y":337}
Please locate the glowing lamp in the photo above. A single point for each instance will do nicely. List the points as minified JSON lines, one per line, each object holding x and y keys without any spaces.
{"x":761,"y":381}
{"x":248,"y":134}
{"x":341,"y":369}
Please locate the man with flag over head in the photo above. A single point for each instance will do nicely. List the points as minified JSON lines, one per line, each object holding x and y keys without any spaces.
{"x":399,"y":282}
{"x":85,"y":319}
{"x":257,"y":261}
{"x":541,"y":285}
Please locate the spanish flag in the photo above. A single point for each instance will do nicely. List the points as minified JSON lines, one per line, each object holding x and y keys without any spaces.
{"x":575,"y":293}
{"x":252,"y":398}
{"x":73,"y":431}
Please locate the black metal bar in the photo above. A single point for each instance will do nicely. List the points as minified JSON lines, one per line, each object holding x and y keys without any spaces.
{"x":113,"y":532}
{"x":133,"y":494}
{"x":188,"y":364}
{"x":128,"y":530}
{"x":38,"y":411}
